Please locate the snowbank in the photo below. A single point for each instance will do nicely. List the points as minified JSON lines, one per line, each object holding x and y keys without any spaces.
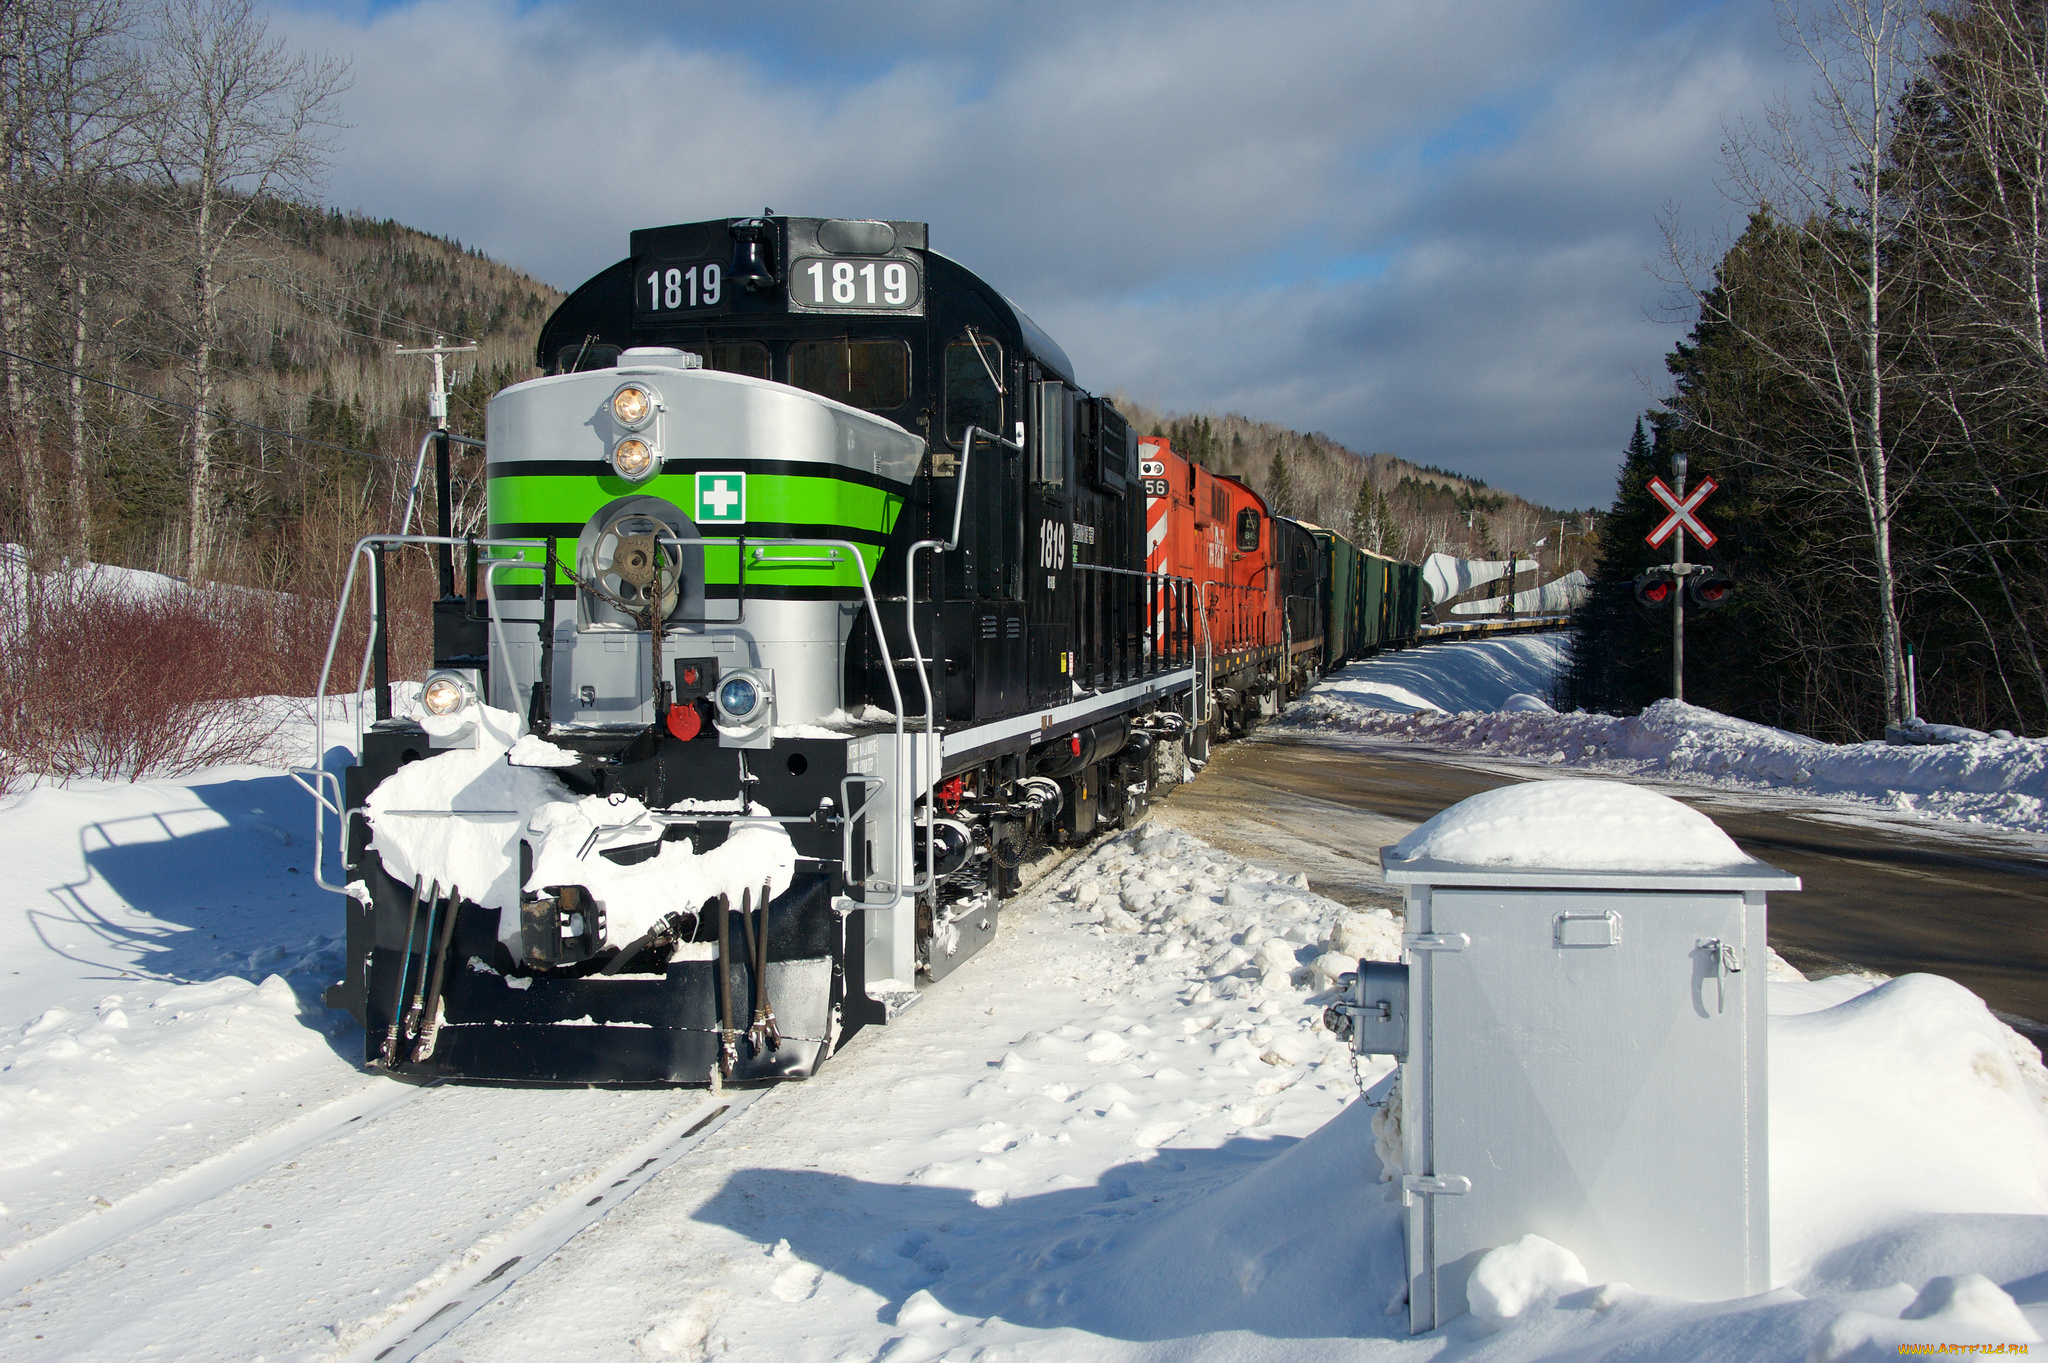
{"x":166,"y":951}
{"x":1574,"y":826}
{"x":1909,"y":1163}
{"x":1457,"y":696}
{"x":65,"y":1076}
{"x":1480,"y":675}
{"x":1905,"y":1100}
{"x":1121,"y":1125}
{"x":1165,"y":1167}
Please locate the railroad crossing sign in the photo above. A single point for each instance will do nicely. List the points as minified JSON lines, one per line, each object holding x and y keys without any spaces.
{"x":723,"y":497}
{"x":1681,"y":512}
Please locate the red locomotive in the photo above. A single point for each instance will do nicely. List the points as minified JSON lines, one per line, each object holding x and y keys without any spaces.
{"x":1262,"y":580}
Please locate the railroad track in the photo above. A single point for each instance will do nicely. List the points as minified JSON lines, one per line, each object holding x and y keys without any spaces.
{"x":443,"y":1302}
{"x":367,"y":1230}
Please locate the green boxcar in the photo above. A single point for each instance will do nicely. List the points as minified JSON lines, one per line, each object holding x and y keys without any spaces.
{"x":1341,"y":635}
{"x":1407,"y":615}
{"x":1378,"y":571}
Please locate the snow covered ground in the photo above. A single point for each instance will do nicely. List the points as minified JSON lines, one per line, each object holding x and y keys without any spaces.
{"x":1118,"y":1134}
{"x":1489,"y":698}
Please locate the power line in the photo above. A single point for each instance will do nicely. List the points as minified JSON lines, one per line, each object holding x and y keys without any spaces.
{"x":187,"y":407}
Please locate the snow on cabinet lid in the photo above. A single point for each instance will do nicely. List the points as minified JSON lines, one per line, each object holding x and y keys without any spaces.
{"x":1584,"y":833}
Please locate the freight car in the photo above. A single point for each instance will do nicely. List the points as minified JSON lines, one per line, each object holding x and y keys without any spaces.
{"x":815,"y":593}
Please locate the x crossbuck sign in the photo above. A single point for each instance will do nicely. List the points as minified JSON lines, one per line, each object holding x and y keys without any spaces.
{"x":1681,"y":512}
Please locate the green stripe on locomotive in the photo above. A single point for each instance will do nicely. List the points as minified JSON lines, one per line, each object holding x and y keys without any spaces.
{"x":779,"y":506}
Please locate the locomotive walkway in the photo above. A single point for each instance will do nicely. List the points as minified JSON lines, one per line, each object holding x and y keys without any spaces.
{"x":1892,"y":896}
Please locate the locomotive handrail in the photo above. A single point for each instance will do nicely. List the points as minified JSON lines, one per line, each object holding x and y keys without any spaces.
{"x":322,"y":779}
{"x":1149,"y":576}
{"x":867,"y":591}
{"x":419,"y":469}
{"x":377,"y":630}
{"x":929,"y":882}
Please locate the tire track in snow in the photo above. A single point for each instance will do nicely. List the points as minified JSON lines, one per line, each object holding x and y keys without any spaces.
{"x":58,"y":1250}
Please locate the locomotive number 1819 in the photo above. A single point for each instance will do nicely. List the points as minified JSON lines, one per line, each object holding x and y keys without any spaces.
{"x":1052,"y":543}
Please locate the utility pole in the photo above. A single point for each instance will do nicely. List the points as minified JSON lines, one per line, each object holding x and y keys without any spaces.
{"x":437,"y":401}
{"x":444,"y":503}
{"x":1678,"y":584}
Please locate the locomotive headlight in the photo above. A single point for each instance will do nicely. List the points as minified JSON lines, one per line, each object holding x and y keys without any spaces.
{"x":632,"y":405}
{"x":742,"y":699}
{"x":634,"y":459}
{"x":444,"y":694}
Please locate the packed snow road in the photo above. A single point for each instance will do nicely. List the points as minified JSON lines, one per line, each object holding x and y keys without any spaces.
{"x":1887,"y":888}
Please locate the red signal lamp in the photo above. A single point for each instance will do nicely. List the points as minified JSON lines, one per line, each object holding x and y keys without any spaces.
{"x":684,"y":721}
{"x":1710,"y":590}
{"x":1656,"y":588}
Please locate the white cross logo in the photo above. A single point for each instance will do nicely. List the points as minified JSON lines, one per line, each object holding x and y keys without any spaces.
{"x":721,"y":497}
{"x":1681,"y":512}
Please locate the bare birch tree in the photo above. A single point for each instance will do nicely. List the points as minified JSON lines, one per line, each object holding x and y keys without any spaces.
{"x":68,"y":103}
{"x":1814,"y":293}
{"x":239,"y":119}
{"x":24,"y":29}
{"x":94,"y":103}
{"x":1978,"y":161}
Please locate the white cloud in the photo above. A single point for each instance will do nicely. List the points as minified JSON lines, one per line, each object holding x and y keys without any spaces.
{"x":1162,"y":185}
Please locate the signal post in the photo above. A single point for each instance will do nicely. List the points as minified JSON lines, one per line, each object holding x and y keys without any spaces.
{"x":1708,"y":586}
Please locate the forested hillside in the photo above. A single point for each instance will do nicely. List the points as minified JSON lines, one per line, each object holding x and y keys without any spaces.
{"x":1866,"y":377}
{"x":308,"y":331}
{"x":177,"y":330}
{"x":198,"y":375}
{"x":312,"y":354}
{"x":1383,"y":502}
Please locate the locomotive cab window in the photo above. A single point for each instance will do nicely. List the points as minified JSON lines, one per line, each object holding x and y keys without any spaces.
{"x":874,"y":374}
{"x":577,"y":359}
{"x":733,"y":357}
{"x":1053,"y":438}
{"x":971,"y":396}
{"x":1248,"y":530}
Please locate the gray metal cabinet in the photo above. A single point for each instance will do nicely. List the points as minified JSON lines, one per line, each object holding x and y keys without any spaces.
{"x":1586,"y":1061}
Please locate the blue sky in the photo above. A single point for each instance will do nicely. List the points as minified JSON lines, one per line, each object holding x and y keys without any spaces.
{"x":1419,"y":227}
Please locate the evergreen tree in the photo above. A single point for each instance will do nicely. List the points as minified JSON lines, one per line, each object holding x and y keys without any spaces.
{"x":1371,"y":518}
{"x":1280,"y":486}
{"x":1610,"y":669}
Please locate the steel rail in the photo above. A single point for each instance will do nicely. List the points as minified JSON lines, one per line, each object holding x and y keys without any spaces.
{"x":436,"y":1313}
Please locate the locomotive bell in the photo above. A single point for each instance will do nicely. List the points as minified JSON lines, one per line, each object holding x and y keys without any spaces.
{"x":750,"y":269}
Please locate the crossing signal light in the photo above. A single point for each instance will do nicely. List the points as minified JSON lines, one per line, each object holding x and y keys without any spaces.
{"x":1656,"y":588}
{"x":1709,"y":590}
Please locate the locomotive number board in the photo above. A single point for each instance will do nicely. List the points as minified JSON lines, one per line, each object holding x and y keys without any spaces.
{"x":670,"y":288}
{"x":684,"y":288}
{"x":855,"y":284}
